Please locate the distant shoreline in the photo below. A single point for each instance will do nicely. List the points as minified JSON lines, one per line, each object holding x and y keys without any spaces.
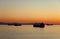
{"x":2,"y":23}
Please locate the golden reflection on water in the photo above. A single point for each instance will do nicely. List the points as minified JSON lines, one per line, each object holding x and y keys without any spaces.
{"x":29,"y":32}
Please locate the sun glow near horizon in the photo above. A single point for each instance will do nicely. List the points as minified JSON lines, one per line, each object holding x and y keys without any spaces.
{"x":47,"y":11}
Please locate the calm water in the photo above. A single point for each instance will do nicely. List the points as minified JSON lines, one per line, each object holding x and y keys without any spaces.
{"x":29,"y":32}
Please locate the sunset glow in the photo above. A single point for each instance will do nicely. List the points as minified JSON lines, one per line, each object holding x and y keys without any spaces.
{"x":30,"y":11}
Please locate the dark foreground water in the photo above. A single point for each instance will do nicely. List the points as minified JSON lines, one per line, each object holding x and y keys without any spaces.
{"x":29,"y":32}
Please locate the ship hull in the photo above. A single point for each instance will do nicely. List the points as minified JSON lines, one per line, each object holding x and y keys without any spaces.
{"x":41,"y":25}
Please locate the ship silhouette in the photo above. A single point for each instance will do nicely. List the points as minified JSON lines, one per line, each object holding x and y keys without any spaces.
{"x":15,"y":24}
{"x":41,"y":25}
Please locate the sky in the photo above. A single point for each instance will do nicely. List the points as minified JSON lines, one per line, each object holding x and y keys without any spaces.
{"x":30,"y":11}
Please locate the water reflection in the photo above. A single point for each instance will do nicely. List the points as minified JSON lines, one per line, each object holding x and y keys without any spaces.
{"x":29,"y":32}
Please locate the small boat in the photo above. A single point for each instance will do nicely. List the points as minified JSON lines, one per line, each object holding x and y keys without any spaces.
{"x":49,"y":24}
{"x":41,"y":25}
{"x":16,"y":24}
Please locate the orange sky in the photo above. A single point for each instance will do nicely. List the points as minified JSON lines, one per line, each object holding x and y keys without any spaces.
{"x":47,"y":11}
{"x":31,"y":20}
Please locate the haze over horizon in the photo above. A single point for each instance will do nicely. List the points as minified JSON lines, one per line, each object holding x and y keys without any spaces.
{"x":29,"y":11}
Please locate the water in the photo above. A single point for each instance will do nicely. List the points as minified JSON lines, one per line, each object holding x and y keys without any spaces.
{"x":29,"y":32}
